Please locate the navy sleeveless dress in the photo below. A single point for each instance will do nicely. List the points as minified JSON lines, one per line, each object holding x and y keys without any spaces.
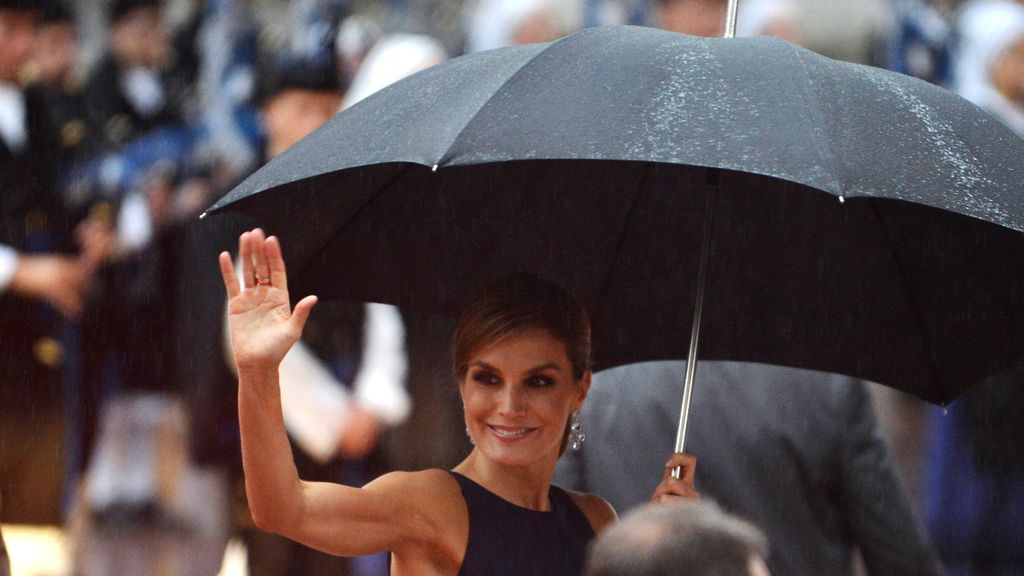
{"x":509,"y":540}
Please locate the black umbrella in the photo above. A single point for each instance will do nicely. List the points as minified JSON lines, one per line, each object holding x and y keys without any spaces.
{"x":866,"y":223}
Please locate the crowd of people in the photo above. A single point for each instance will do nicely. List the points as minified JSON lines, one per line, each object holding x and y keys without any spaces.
{"x":106,"y":165}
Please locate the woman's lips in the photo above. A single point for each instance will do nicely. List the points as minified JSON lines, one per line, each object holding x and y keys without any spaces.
{"x":510,"y":433}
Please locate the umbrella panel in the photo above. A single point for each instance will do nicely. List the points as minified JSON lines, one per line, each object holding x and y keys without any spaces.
{"x":917,"y":298}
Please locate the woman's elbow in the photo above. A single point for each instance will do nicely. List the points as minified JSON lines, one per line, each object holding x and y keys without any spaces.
{"x":273,"y":516}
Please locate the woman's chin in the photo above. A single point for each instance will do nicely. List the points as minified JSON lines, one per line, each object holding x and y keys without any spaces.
{"x":516,"y":453}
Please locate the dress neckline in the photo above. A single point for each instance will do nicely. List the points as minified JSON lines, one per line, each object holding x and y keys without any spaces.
{"x":551,"y":496}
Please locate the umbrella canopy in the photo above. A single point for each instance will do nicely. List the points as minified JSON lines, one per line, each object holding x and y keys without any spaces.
{"x":866,"y":223}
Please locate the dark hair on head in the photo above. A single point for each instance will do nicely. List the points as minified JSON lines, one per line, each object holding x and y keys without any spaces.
{"x":513,"y":305}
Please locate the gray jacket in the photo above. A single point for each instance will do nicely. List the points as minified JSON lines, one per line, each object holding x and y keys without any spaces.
{"x":798,"y":453}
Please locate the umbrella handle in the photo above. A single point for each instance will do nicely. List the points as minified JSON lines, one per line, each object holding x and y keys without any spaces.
{"x":702,"y":270}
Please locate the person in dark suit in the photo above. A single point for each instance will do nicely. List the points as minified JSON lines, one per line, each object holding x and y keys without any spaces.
{"x":798,"y":453}
{"x":42,"y":280}
{"x":127,"y":94}
{"x":59,"y":82}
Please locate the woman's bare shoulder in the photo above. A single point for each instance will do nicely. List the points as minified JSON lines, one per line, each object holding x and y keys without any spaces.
{"x":597,"y":510}
{"x":432,"y":494}
{"x":434,"y":501}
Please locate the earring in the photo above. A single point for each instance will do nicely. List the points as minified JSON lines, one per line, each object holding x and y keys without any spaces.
{"x":576,"y":435}
{"x":470,"y":436}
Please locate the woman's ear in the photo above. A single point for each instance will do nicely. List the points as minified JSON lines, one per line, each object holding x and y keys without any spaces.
{"x":584,"y":383}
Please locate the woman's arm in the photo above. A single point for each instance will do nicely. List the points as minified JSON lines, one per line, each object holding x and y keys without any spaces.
{"x":334,"y":518}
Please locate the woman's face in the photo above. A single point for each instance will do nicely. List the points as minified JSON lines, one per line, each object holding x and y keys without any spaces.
{"x":517,"y":397}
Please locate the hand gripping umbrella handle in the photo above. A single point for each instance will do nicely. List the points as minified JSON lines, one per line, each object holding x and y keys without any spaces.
{"x":691,"y":359}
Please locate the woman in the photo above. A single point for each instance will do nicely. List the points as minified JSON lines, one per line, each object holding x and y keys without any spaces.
{"x":522,"y":358}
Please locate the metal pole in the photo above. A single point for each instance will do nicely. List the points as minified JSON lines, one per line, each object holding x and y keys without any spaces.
{"x":730,"y":19}
{"x":702,"y":269}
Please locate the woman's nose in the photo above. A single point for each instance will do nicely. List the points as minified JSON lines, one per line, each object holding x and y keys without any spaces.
{"x":513,"y":401}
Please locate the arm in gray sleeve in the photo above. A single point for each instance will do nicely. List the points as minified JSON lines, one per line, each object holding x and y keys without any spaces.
{"x":877,"y":506}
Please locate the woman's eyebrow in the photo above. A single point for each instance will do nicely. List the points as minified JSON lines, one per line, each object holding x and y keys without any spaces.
{"x":484,"y":365}
{"x":539,"y":368}
{"x":543,"y":367}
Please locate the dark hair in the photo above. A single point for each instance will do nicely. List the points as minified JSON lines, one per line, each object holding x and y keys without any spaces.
{"x":514,"y":305}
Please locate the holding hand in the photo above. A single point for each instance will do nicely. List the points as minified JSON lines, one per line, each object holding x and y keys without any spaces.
{"x":672,"y":489}
{"x":263,"y":325}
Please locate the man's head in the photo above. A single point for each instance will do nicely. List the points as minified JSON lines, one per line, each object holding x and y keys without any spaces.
{"x":138,"y":33}
{"x":18,"y":19}
{"x":690,"y":538}
{"x":56,"y":49}
{"x":694,"y":17}
{"x":296,"y":97}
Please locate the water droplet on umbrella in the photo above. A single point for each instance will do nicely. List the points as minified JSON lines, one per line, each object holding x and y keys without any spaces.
{"x":842,"y":199}
{"x":434,"y":169}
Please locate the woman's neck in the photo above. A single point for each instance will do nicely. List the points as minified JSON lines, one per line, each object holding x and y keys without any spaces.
{"x":525,"y":486}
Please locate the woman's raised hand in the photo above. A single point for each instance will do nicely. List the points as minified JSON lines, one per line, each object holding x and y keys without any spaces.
{"x":263,"y":325}
{"x":681,"y":488}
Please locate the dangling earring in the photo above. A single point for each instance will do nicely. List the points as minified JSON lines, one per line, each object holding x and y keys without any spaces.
{"x":470,"y":436}
{"x":576,"y":435}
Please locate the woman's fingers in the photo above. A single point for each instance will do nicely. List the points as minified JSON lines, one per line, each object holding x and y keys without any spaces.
{"x":245,"y":255}
{"x":676,"y":488}
{"x":261,"y":270}
{"x":227,"y":272}
{"x":275,"y":263}
{"x":686,"y":463}
{"x":301,"y":312}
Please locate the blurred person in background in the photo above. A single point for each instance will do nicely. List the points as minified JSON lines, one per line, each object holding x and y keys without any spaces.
{"x":58,"y":78}
{"x":990,"y":58}
{"x":683,"y":539}
{"x":974,"y":497}
{"x":134,"y":105}
{"x":392,"y":58}
{"x":497,"y":23}
{"x":694,"y":17}
{"x":777,"y":18}
{"x":921,"y":42}
{"x":127,"y":93}
{"x":343,"y":384}
{"x":45,"y":271}
{"x":833,"y":488}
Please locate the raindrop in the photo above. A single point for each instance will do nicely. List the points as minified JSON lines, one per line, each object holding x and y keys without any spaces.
{"x":203,"y":215}
{"x":945,"y":410}
{"x":434,"y":169}
{"x":842,"y":199}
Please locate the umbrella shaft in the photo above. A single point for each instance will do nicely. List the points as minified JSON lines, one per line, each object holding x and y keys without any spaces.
{"x":691,"y":358}
{"x":730,"y":19}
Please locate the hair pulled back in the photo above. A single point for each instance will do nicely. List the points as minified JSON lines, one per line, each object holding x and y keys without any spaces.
{"x":516,"y":304}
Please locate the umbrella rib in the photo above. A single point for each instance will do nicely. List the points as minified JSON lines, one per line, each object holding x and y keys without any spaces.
{"x":824,"y":141}
{"x":641,"y":185}
{"x":918,"y":320}
{"x":445,"y":155}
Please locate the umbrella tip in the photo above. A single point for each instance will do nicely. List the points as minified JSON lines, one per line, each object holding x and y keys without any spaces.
{"x":434,"y":169}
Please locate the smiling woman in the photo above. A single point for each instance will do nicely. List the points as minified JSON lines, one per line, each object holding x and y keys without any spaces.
{"x":522,"y":358}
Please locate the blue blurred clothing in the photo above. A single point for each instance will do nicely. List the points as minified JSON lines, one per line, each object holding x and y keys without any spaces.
{"x":975,"y":510}
{"x":921,"y":43}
